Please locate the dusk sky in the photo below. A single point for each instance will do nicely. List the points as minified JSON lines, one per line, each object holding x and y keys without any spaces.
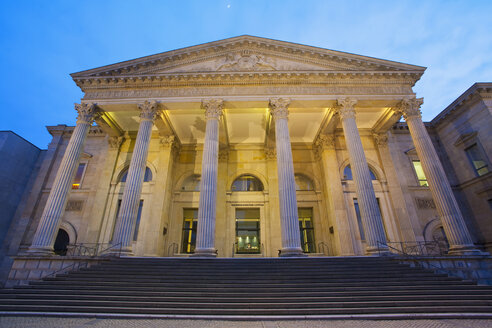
{"x":42,"y":42}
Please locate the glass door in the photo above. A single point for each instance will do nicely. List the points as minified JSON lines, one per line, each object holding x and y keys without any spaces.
{"x":248,"y":231}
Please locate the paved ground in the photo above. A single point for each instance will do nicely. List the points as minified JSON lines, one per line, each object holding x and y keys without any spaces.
{"x":47,"y":322}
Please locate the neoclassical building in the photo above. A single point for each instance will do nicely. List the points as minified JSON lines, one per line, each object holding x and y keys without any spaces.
{"x":251,"y":147}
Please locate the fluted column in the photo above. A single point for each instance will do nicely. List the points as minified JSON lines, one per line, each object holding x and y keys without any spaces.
{"x":125,"y":222}
{"x":289,"y":219}
{"x":205,"y":239}
{"x":49,"y":224}
{"x":369,"y":209}
{"x":454,"y":226}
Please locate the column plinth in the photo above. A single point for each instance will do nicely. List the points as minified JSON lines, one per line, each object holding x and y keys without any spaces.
{"x":369,"y":209}
{"x":459,"y":237}
{"x":126,"y":220}
{"x":205,"y":239}
{"x":289,"y":219}
{"x":49,"y":224}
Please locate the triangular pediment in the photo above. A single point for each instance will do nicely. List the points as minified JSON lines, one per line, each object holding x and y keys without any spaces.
{"x":248,"y":54}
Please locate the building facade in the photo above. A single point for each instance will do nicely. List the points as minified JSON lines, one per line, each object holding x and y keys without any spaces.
{"x":250,"y":147}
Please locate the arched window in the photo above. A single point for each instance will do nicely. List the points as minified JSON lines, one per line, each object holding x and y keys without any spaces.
{"x":191,"y":183}
{"x":147,"y":176}
{"x":347,"y":173}
{"x":247,"y":182}
{"x":303,"y":182}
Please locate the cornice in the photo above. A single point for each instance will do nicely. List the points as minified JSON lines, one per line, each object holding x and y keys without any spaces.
{"x":299,"y":52}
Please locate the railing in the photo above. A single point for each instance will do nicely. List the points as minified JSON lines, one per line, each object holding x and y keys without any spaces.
{"x":172,"y":249}
{"x":74,"y":266}
{"x":418,"y":248}
{"x":94,"y":249}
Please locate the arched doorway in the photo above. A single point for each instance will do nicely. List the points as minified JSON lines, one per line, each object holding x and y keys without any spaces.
{"x":61,"y":243}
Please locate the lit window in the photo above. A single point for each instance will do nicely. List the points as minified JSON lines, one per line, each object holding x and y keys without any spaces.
{"x":347,"y":173}
{"x":78,"y":176}
{"x":147,"y":176}
{"x":303,"y":182}
{"x":417,"y":165}
{"x":190,"y":223}
{"x":477,"y":160}
{"x":247,"y":183}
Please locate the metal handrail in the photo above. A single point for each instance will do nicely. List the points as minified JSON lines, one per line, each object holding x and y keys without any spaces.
{"x":94,"y":249}
{"x":417,"y":248}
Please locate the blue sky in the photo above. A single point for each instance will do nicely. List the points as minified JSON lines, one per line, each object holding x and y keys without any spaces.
{"x":43,"y":41}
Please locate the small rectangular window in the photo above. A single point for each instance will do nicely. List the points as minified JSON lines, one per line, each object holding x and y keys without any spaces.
{"x":78,"y":176}
{"x":477,"y":160}
{"x":417,"y":165}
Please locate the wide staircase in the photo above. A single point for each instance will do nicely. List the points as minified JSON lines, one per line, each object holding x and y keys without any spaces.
{"x":272,"y":288}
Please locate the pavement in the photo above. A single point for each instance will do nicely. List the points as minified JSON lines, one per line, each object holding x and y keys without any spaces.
{"x":69,"y":322}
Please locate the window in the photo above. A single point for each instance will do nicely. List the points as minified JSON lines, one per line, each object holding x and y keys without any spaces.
{"x":137,"y":223}
{"x":190,"y":223}
{"x":191,"y":183}
{"x":79,"y":175}
{"x":477,"y":160}
{"x":306,"y":229}
{"x":347,"y":173}
{"x":248,"y":231}
{"x":247,"y":183}
{"x":147,"y":176}
{"x":417,"y":166}
{"x":303,"y":182}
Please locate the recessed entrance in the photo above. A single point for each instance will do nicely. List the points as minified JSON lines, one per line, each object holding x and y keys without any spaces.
{"x":248,"y":231}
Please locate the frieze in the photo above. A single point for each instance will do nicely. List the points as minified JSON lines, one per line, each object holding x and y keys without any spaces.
{"x":244,"y":91}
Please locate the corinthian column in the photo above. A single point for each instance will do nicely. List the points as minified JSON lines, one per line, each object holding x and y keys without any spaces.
{"x":205,"y":239}
{"x":289,"y":219}
{"x":125,"y":223}
{"x":369,"y":209}
{"x":55,"y":206}
{"x":454,"y":226}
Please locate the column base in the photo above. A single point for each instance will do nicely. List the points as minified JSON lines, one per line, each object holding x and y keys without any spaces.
{"x":466,"y":250}
{"x":40,"y":251}
{"x":204,"y":252}
{"x":291,"y":252}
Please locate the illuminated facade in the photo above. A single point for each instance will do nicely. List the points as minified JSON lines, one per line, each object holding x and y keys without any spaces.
{"x":250,"y":147}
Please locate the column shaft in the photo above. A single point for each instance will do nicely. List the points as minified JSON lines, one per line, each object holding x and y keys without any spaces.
{"x":125,"y":223}
{"x":289,"y":219}
{"x":452,"y":220}
{"x":49,"y":224}
{"x":205,"y":240}
{"x":369,"y":209}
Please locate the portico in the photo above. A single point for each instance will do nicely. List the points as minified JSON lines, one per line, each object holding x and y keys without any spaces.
{"x":251,"y":131}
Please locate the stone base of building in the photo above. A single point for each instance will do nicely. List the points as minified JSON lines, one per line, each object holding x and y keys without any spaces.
{"x":29,"y":268}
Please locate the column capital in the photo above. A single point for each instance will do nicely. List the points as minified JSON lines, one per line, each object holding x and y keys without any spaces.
{"x":115,"y":142}
{"x":381,"y":139}
{"x":213,"y":108}
{"x":167,"y":141}
{"x":324,"y":141}
{"x":87,"y":112}
{"x":148,"y":110}
{"x":345,"y":107}
{"x":410,"y":107}
{"x":279,"y":107}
